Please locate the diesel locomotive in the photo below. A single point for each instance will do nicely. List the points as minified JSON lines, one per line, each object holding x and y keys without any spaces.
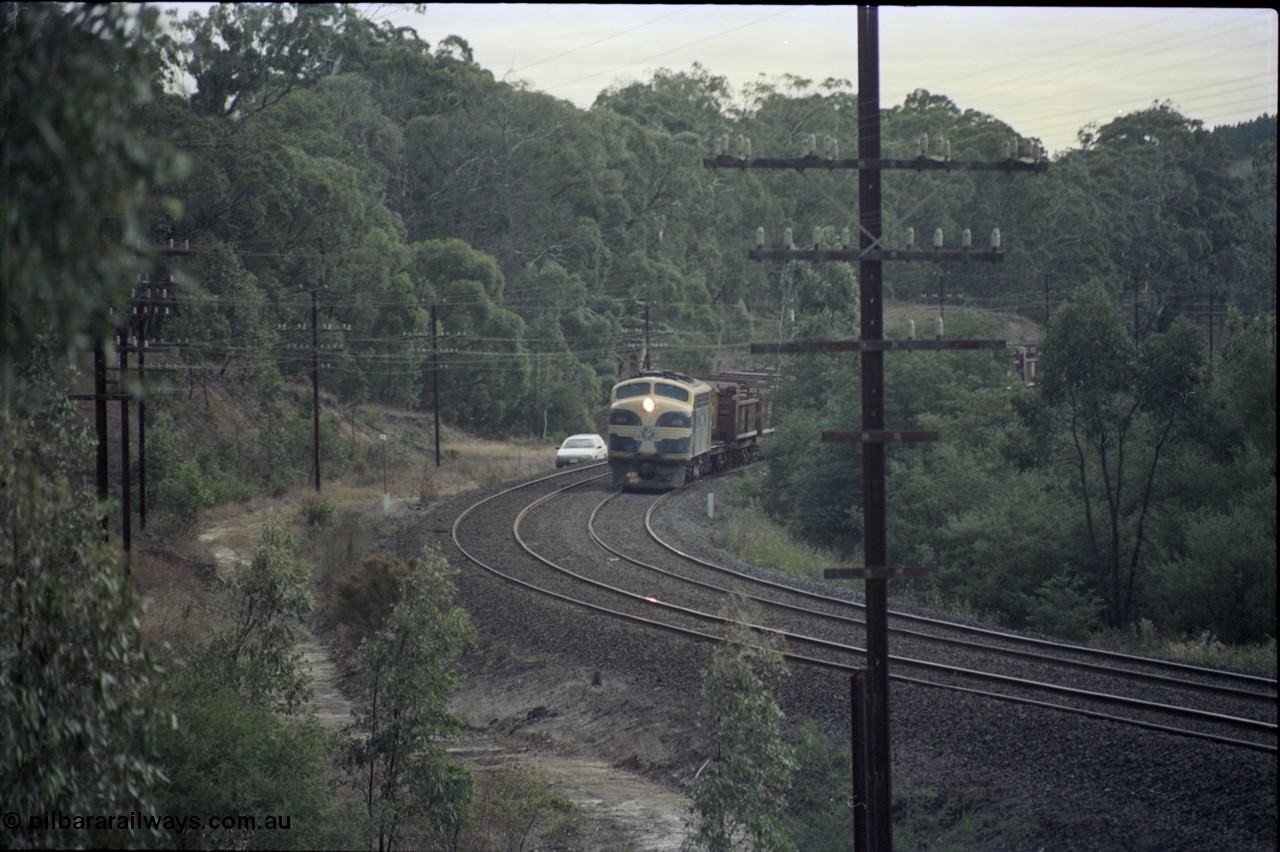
{"x":667,"y":429}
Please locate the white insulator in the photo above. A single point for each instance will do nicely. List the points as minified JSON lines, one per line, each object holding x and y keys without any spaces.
{"x":946,"y":150}
{"x":817,"y":237}
{"x":995,"y":239}
{"x":924,"y":144}
{"x":739,"y":144}
{"x":846,"y":237}
{"x":1008,"y":154}
{"x":915,"y":149}
{"x":911,"y":238}
{"x":746,"y":148}
{"x":716,"y":150}
{"x":966,"y":239}
{"x":787,"y":242}
{"x":937,"y":327}
{"x":760,"y":238}
{"x":911,"y":329}
{"x":937,"y":238}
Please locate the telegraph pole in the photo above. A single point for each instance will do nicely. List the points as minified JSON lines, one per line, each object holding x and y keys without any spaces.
{"x":435,"y":382}
{"x":315,"y":385}
{"x":646,"y":336}
{"x":872,"y":789}
{"x":871,"y":285}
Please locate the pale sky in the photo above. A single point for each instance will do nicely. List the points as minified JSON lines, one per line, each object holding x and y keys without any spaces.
{"x":1045,"y":71}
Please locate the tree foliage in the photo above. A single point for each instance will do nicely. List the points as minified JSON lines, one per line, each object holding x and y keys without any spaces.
{"x":229,"y":756}
{"x":412,"y":792}
{"x":740,"y":791}
{"x":78,"y":737}
{"x":1120,"y":404}
{"x":78,"y":173}
{"x":268,"y":600}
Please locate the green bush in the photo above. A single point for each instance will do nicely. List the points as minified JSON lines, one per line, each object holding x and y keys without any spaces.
{"x":316,"y":512}
{"x":183,"y":494}
{"x":363,"y":599}
{"x":228,"y":756}
{"x":1225,"y":583}
{"x":1062,"y":607}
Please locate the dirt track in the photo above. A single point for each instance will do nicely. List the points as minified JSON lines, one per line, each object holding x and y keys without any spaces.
{"x":504,"y":705}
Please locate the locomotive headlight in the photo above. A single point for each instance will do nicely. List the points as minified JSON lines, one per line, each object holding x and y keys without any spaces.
{"x":648,"y":404}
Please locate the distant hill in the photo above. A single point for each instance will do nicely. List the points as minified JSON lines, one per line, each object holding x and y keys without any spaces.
{"x":1244,"y":138}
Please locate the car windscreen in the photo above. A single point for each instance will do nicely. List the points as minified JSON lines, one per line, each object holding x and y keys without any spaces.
{"x":578,"y":442}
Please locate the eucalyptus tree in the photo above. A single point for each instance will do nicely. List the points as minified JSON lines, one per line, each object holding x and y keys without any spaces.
{"x":739,"y":793}
{"x":1216,"y":566}
{"x":671,"y":102}
{"x":1118,"y":404}
{"x":393,"y":752}
{"x":573,"y":341}
{"x":483,"y":368}
{"x":1147,"y":205}
{"x":245,"y":58}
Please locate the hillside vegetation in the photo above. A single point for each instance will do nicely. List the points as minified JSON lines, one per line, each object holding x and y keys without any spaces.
{"x":270,"y":198}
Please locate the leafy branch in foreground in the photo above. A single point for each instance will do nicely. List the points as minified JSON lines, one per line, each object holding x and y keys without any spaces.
{"x":407,"y":670}
{"x":741,"y":791}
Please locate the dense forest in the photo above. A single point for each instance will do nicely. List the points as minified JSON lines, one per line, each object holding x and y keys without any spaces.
{"x":308,"y":150}
{"x":400,"y":182}
{"x":451,"y":228}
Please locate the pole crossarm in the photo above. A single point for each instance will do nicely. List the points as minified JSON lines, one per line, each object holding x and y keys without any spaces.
{"x":850,"y":255}
{"x":872,"y":346}
{"x":918,"y":164}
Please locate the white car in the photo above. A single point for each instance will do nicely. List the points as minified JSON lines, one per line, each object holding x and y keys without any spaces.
{"x":580,"y":448}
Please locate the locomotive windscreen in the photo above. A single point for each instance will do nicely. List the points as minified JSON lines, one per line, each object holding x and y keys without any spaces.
{"x":671,"y":391}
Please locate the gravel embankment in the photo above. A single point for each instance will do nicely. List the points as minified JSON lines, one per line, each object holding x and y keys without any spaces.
{"x":630,"y":695}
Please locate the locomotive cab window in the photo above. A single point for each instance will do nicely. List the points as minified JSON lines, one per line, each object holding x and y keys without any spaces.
{"x":671,"y":391}
{"x":628,"y":391}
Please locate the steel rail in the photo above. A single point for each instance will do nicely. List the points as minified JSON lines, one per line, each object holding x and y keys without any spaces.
{"x":830,"y":664}
{"x":1093,"y":667}
{"x":1096,"y":653}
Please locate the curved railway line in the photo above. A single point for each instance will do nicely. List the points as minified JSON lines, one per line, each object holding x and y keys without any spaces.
{"x":573,"y":541}
{"x":1229,"y":708}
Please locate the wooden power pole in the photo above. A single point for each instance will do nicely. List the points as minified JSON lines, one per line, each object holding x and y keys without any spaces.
{"x":872,"y":788}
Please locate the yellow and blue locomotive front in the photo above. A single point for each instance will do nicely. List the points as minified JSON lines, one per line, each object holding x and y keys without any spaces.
{"x":659,"y":426}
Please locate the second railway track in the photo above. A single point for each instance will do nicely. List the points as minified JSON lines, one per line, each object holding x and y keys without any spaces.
{"x":1066,"y":688}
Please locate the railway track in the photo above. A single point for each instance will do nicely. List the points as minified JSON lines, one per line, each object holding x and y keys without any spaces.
{"x":1069,"y":733}
{"x":653,"y":583}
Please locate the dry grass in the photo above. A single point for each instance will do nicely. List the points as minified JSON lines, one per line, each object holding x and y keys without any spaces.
{"x":179,"y":609}
{"x":180,"y":605}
